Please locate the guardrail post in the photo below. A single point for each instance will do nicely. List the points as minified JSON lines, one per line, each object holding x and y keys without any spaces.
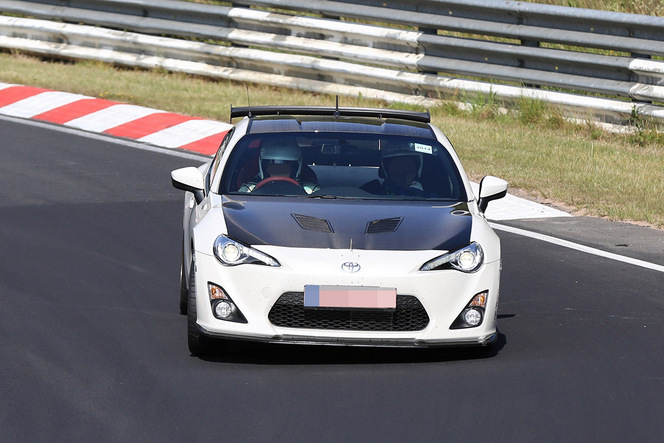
{"x":635,"y":78}
{"x":428,"y":31}
{"x":522,"y":63}
{"x":235,"y":5}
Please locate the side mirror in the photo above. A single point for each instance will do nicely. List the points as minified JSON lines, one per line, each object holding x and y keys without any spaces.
{"x":189,"y":179}
{"x":491,"y":188}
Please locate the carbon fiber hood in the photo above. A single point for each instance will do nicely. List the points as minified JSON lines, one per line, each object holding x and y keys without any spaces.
{"x":332,"y":224}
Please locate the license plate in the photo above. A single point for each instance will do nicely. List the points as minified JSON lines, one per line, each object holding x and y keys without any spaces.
{"x":360,"y":297}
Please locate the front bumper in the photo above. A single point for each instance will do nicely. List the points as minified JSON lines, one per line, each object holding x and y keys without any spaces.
{"x":255,"y":289}
{"x":357,"y":342}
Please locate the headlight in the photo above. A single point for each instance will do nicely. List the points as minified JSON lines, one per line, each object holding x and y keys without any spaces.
{"x":467,"y":259}
{"x":231,"y":253}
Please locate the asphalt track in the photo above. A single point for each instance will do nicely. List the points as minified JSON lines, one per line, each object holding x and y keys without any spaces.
{"x":92,"y":346}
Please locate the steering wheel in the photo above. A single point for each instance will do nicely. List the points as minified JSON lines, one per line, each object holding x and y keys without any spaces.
{"x":276,"y":178}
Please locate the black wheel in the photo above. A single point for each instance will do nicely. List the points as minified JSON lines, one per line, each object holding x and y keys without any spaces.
{"x":198,"y":343}
{"x":184,"y":292}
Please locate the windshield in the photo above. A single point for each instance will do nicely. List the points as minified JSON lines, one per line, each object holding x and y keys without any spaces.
{"x":342,"y":165}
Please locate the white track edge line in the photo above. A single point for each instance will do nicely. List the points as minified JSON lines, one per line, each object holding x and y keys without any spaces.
{"x":578,"y":247}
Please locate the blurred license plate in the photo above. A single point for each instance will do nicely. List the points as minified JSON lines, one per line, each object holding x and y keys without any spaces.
{"x":361,"y":297}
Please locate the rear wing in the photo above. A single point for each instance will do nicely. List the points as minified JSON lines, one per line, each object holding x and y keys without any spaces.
{"x":254,"y":111}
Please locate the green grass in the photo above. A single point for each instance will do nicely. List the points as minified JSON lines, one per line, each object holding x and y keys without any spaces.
{"x":536,"y":150}
{"x":646,"y":7}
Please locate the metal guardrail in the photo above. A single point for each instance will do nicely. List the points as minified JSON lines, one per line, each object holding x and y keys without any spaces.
{"x":515,"y":42}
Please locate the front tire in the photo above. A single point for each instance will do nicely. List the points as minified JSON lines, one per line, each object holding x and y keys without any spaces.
{"x":198,"y":343}
{"x":184,"y":292}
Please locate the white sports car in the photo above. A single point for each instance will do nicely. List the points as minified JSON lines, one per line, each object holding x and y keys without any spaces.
{"x":338,"y":226}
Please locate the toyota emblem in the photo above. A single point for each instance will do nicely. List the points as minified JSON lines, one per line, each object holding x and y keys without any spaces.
{"x":351,"y":267}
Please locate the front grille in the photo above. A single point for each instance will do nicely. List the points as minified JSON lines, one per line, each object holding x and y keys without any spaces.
{"x":289,"y":312}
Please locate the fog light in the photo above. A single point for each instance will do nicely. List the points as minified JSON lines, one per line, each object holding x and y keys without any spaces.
{"x":223,"y":309}
{"x":473,"y":314}
{"x":473,"y":317}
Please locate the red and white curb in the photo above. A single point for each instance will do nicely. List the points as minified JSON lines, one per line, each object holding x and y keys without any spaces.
{"x":145,"y":125}
{"x":172,"y":131}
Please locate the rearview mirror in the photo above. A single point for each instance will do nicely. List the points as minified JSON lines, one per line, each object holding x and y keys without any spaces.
{"x":189,"y":179}
{"x":491,"y":188}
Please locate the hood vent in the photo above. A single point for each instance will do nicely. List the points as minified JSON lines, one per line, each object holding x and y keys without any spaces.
{"x":384,"y":226}
{"x":313,"y":223}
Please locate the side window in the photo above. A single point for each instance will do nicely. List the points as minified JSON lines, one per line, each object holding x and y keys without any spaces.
{"x":212,"y":170}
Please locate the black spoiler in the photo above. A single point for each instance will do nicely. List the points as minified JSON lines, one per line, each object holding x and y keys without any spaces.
{"x":254,"y":111}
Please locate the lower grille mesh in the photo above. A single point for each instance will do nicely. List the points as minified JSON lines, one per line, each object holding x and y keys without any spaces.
{"x":289,"y":312}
